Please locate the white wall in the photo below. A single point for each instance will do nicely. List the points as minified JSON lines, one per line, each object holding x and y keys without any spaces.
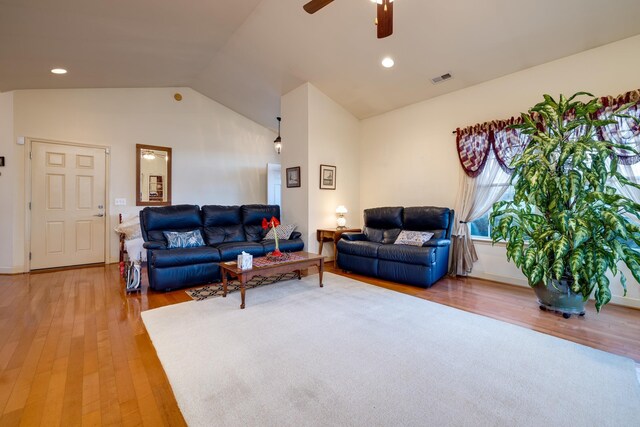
{"x":219,"y":156}
{"x":333,"y":140}
{"x":318,"y":131}
{"x":295,"y":152}
{"x":7,"y":183}
{"x":408,"y":156}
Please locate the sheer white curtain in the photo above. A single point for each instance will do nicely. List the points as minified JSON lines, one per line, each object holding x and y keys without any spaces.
{"x":632,"y":173}
{"x":475,"y":197}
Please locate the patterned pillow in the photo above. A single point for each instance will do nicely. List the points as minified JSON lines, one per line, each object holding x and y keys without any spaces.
{"x":413,"y":238}
{"x":188,"y":239}
{"x":284,"y":232}
{"x":130,"y":228}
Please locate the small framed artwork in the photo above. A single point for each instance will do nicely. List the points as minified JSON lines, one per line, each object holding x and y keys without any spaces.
{"x":293,"y":177}
{"x":327,"y":177}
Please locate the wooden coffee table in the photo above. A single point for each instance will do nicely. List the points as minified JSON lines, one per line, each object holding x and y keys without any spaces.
{"x":303,"y":260}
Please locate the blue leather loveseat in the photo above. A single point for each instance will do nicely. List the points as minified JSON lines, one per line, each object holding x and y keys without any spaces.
{"x":373,"y":252}
{"x":226,"y":231}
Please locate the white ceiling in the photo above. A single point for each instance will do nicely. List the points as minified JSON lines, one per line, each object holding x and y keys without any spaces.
{"x":245,"y":54}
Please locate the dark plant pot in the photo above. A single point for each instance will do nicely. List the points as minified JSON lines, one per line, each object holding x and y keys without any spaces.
{"x":557,"y":296}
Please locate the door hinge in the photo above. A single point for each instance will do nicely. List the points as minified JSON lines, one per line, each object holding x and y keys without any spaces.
{"x":29,"y":256}
{"x":29,"y":205}
{"x":30,"y":155}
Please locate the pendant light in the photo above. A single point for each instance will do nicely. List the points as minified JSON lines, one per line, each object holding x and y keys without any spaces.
{"x":277,"y":143}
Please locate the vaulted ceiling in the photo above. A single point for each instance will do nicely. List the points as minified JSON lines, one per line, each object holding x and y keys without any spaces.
{"x":245,"y":54}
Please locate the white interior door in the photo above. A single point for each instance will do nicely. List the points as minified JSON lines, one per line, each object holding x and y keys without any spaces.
{"x":274,"y":180}
{"x":67,"y":205}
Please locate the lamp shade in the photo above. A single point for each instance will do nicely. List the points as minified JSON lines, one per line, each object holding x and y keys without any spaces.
{"x":341,"y":210}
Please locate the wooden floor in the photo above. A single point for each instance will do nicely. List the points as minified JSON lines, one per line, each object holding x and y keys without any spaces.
{"x":74,"y":351}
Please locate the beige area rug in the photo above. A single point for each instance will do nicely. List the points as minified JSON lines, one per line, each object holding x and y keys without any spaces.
{"x":352,"y":354}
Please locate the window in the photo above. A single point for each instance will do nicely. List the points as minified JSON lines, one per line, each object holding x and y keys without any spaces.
{"x":481,"y":227}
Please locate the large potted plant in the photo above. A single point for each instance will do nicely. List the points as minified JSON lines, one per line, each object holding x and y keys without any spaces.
{"x":567,"y":227}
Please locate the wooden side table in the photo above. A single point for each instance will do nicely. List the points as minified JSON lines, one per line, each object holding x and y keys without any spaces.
{"x":332,"y":235}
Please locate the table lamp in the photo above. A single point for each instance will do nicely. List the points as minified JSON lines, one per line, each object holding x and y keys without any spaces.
{"x":342,"y":221}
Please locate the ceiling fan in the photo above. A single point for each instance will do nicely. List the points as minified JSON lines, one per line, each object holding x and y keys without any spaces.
{"x":384,"y":19}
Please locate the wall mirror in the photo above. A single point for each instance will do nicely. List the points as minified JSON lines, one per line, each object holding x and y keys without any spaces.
{"x":153,"y":179}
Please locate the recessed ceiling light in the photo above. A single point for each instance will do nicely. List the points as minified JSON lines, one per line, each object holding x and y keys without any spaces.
{"x":59,"y":71}
{"x":387,"y":62}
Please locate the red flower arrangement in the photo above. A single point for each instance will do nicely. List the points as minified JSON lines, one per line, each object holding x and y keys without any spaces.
{"x":273,"y":223}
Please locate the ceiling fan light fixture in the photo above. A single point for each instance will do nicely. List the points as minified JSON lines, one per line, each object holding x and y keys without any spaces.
{"x":388,"y":62}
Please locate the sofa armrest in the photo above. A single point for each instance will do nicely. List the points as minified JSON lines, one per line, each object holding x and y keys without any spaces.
{"x":438,"y":242}
{"x":155,"y":244}
{"x":295,"y":235}
{"x":353,"y":236}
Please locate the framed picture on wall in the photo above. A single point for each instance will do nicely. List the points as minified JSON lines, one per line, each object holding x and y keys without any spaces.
{"x":293,"y":177}
{"x":327,"y":177}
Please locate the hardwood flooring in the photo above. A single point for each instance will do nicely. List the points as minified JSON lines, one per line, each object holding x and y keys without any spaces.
{"x":74,"y":350}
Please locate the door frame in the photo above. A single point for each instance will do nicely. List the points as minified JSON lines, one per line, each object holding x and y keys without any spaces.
{"x":28,"y":166}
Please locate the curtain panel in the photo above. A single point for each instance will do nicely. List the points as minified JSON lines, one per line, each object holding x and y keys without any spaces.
{"x":476,"y":196}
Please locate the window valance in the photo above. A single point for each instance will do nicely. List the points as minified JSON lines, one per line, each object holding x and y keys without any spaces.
{"x":625,"y":130}
{"x":474,"y":142}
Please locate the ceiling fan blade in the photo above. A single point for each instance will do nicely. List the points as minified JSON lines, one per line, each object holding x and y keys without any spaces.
{"x":315,"y":5}
{"x":385,"y":19}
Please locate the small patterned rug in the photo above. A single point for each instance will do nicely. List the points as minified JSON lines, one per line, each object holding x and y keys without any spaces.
{"x":215,"y":289}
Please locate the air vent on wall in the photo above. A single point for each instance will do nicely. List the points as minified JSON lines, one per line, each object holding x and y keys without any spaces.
{"x":441,"y":78}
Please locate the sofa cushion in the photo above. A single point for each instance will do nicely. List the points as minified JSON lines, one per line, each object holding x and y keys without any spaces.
{"x":413,"y":238}
{"x":380,"y":235}
{"x":353,"y":236}
{"x":220,"y":216}
{"x":230,"y":251}
{"x":283,"y":231}
{"x":187,"y":239}
{"x":360,"y":248}
{"x":217,"y":235}
{"x":155,"y":220}
{"x":289,"y":245}
{"x":408,"y":254}
{"x":222,"y":224}
{"x":252,"y":216}
{"x":383,"y":218}
{"x":438,"y":242}
{"x":426,"y":218}
{"x":184,"y":256}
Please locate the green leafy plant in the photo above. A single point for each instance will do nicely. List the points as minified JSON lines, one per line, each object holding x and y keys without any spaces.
{"x":566,"y":221}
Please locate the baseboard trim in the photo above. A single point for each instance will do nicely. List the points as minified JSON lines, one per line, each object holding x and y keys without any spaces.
{"x":616,"y":300}
{"x":503,"y":280}
{"x":12,"y":270}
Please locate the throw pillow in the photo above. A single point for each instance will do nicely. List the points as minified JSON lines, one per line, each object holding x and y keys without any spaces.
{"x":188,"y":239}
{"x":413,"y":238}
{"x":130,"y":228}
{"x":284,"y":232}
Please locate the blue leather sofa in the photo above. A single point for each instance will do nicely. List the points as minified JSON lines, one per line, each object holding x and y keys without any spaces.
{"x":226,"y":230}
{"x":373,"y":253}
